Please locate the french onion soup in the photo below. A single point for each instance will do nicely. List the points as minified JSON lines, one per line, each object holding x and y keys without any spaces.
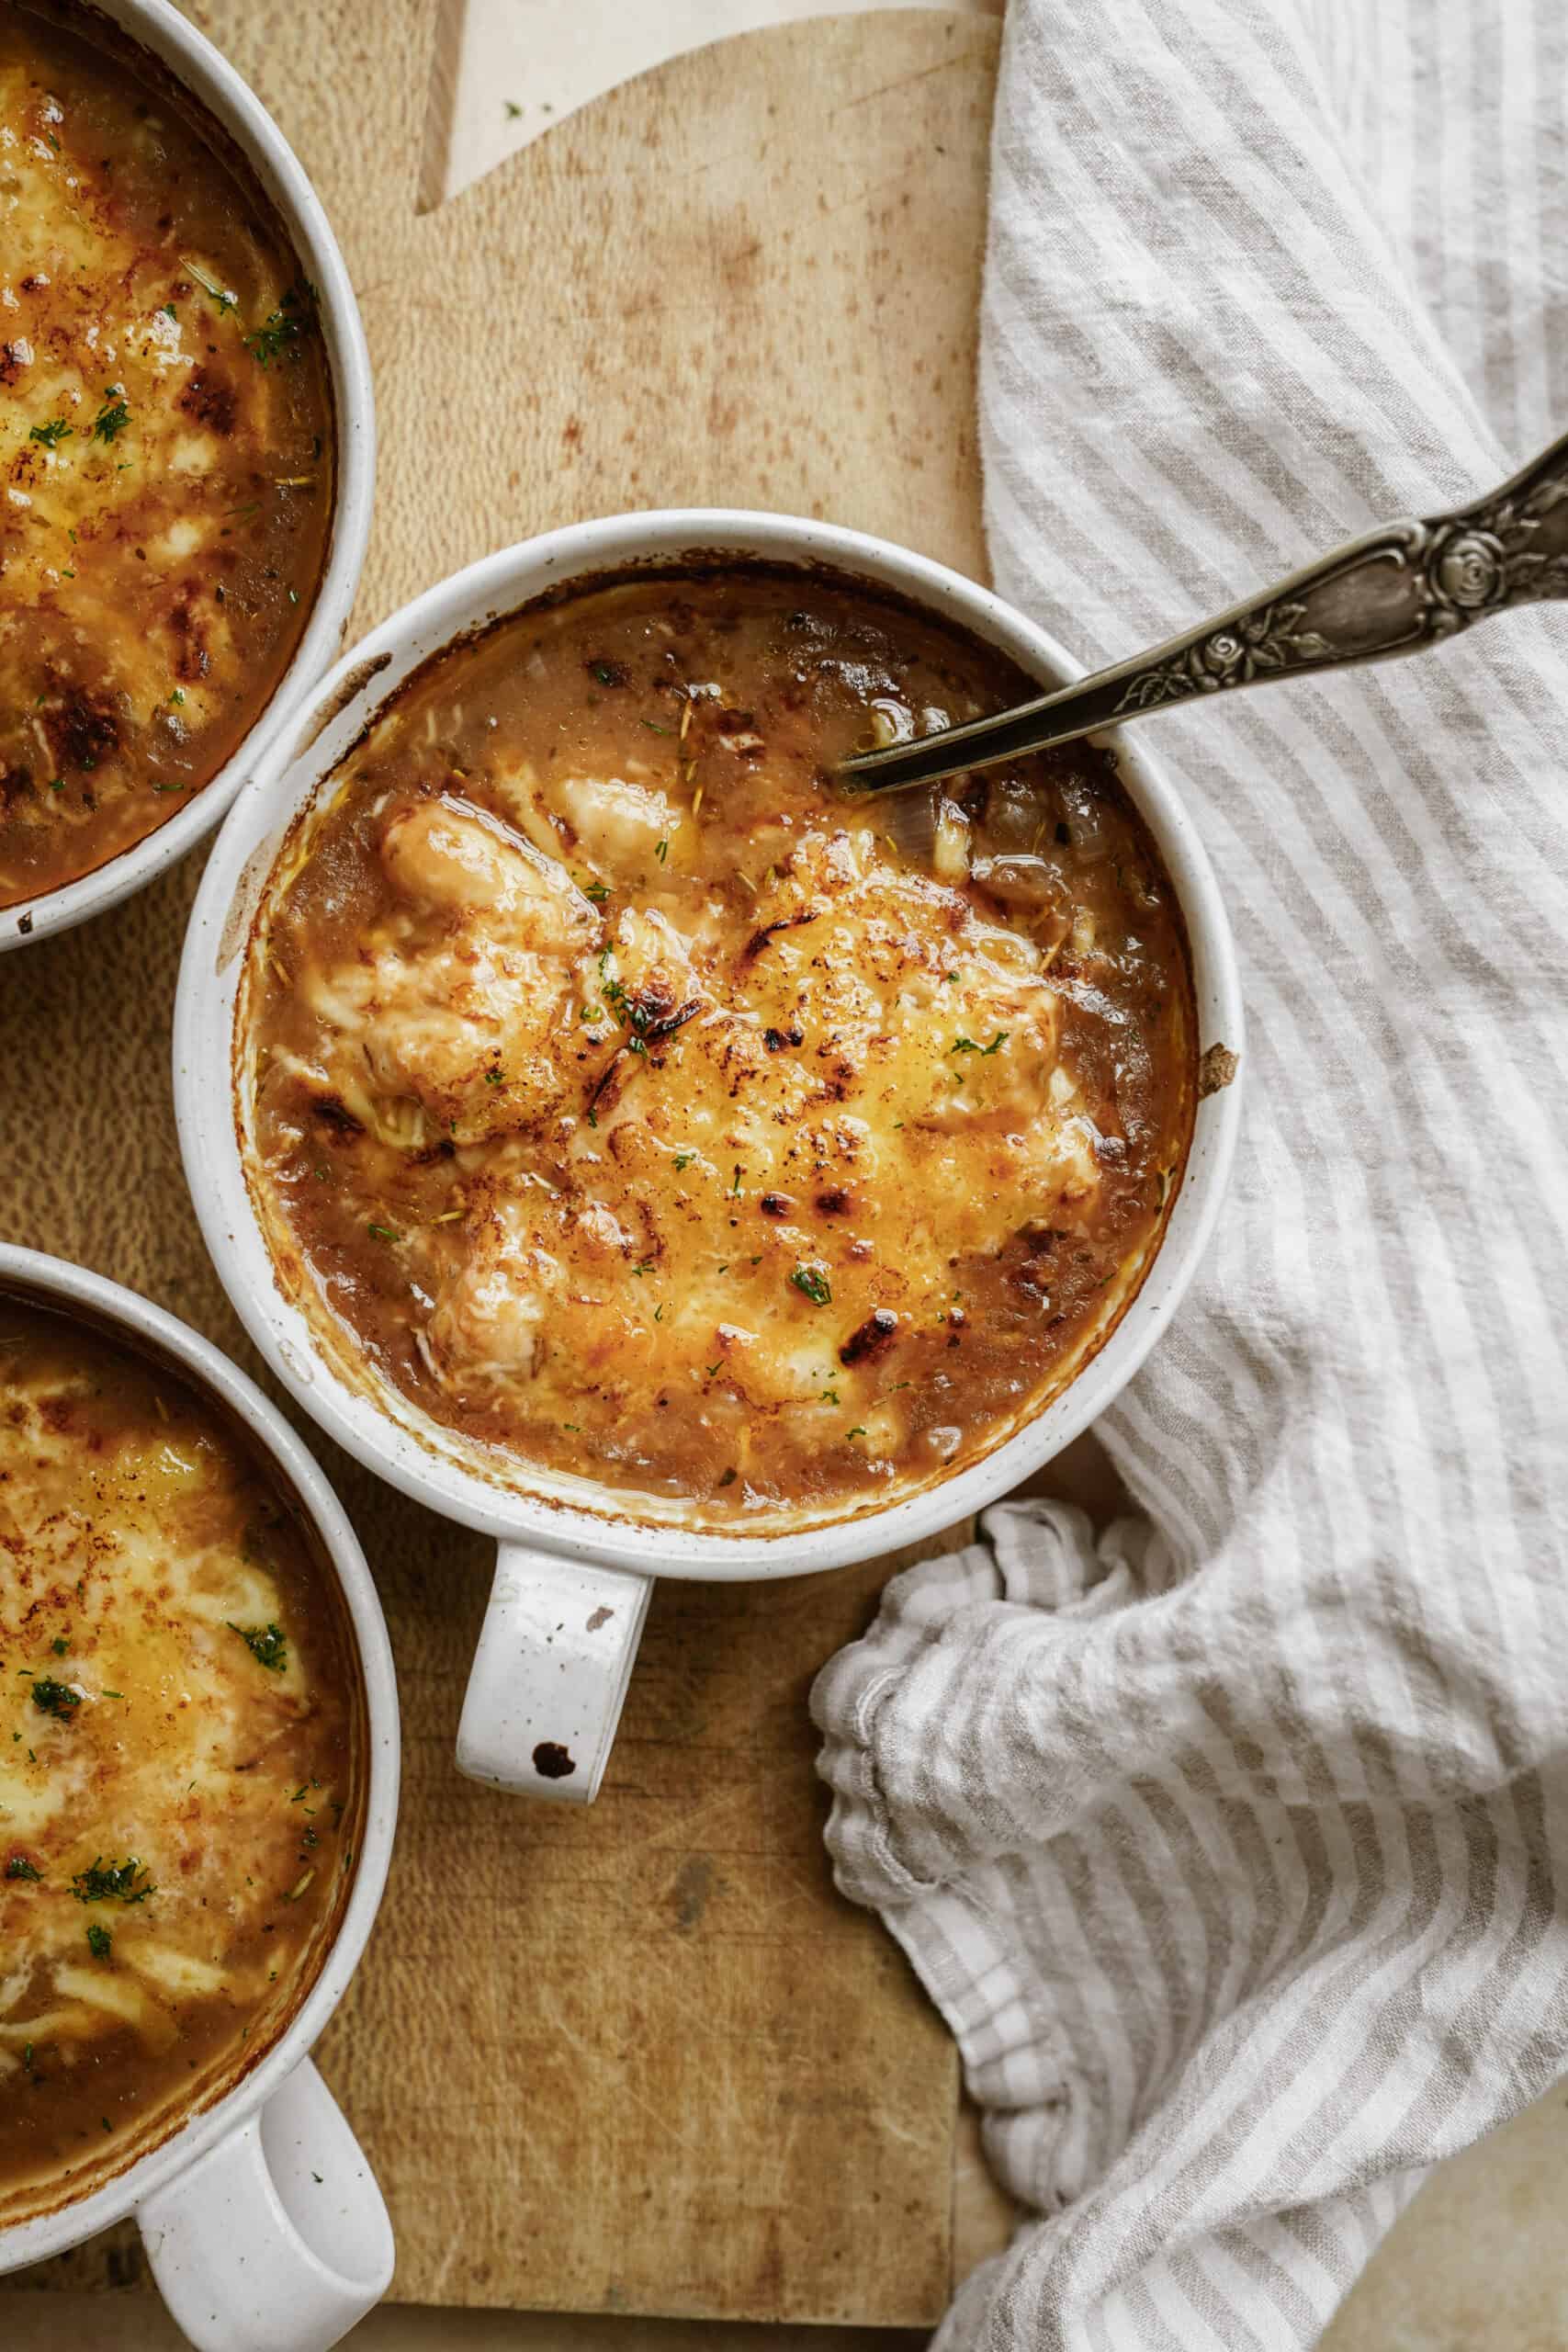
{"x":182,"y":1755}
{"x":166,"y":447}
{"x":640,"y":1112}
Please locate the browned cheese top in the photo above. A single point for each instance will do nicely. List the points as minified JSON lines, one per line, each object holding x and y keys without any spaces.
{"x":166,"y":456}
{"x":181,"y":1755}
{"x":640,"y":1110}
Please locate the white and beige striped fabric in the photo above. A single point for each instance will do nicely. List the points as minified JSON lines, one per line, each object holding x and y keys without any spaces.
{"x":1231,"y":1847}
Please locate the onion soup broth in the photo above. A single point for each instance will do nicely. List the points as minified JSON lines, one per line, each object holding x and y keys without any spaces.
{"x":182,"y":1755}
{"x":166,"y":449}
{"x":640,"y":1112}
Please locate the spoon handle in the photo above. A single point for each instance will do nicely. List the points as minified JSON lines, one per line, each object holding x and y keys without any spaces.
{"x":1402,"y":587}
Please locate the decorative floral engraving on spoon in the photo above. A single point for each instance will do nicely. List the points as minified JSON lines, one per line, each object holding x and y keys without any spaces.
{"x":1407,"y":585}
{"x":1269,"y":641}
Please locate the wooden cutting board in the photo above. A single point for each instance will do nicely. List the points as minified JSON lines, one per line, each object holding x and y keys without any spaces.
{"x":638,"y":2058}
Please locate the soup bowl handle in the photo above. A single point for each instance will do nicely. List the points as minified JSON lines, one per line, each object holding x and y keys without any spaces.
{"x":278,"y":2240}
{"x":554,"y":1659}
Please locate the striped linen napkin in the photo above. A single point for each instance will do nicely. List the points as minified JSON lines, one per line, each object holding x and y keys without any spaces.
{"x":1229,"y":1844}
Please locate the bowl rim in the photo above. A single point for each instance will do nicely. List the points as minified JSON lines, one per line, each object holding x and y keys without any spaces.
{"x":202,"y":69}
{"x":212,"y":1372}
{"x":233,"y":882}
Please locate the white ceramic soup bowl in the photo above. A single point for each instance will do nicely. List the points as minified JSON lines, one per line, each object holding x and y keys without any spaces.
{"x":175,"y":45}
{"x":571,"y":1583}
{"x":262,"y":2224}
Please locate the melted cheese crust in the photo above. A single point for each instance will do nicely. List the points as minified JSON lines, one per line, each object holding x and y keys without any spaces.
{"x":664,"y":1119}
{"x":930,"y":1097}
{"x":138,"y":1728}
{"x":164,"y":494}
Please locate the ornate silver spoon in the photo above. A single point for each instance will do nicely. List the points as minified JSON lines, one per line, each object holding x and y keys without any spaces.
{"x":1407,"y":585}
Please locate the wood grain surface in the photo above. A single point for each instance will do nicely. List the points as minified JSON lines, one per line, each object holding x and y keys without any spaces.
{"x":508,"y":72}
{"x":638,"y":2058}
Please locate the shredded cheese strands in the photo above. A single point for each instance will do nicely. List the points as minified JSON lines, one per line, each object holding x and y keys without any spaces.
{"x":162,"y":568}
{"x":859,"y":1037}
{"x":146,"y":1849}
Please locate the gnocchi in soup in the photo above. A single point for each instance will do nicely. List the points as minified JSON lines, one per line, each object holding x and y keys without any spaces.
{"x":638,"y":1111}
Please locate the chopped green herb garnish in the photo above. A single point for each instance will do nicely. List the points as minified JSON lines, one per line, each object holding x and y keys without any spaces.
{"x":495,"y":1077}
{"x":100,"y":1943}
{"x":654,"y":728}
{"x":382,"y":1233}
{"x":661,"y":851}
{"x":113,"y":1882}
{"x":814,"y":1283}
{"x":597,"y":891}
{"x":512,"y":112}
{"x":177,"y":695}
{"x":684,"y":1161}
{"x":170,"y":312}
{"x":54,"y":1698}
{"x":19,"y":1867}
{"x":265,"y":1643}
{"x":60,"y":1646}
{"x":52,"y":434}
{"x":857,"y":1432}
{"x":968,"y":1045}
{"x":282,"y":328}
{"x":112,"y":418}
